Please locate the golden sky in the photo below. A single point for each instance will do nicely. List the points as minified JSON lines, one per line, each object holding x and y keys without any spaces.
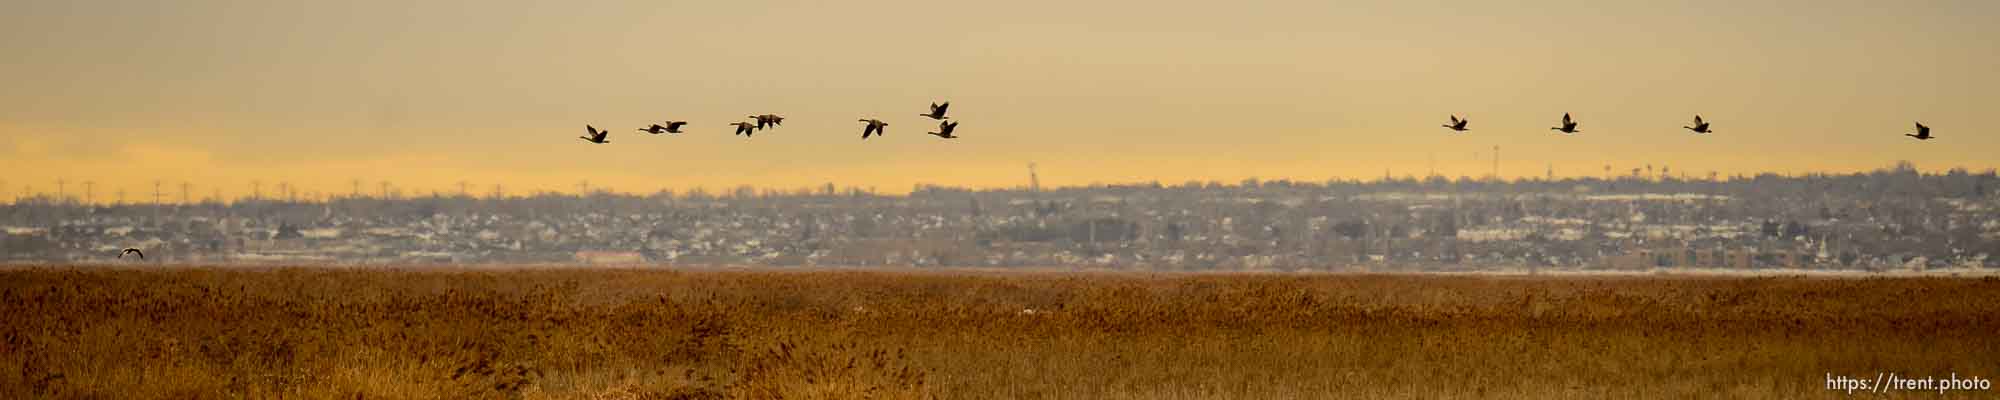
{"x":426,"y":94}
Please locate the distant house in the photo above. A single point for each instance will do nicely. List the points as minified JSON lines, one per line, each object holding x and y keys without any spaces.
{"x":610,"y":257}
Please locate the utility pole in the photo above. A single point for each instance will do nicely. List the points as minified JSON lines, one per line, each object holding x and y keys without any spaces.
{"x":357,"y":187}
{"x":88,"y":191}
{"x":121,"y":197}
{"x":385,"y":190}
{"x":185,"y":198}
{"x":498,"y":192}
{"x":461,"y":189}
{"x":284,"y":188}
{"x":60,"y":196}
{"x":583,"y":188}
{"x":256,"y":190}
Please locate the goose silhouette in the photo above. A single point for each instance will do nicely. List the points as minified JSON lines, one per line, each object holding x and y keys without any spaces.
{"x":675,"y":126}
{"x":1923,"y":132}
{"x":875,"y":127}
{"x":1700,"y":126}
{"x":132,"y":251}
{"x":654,"y":129}
{"x":938,"y":110}
{"x":1568,"y":126}
{"x":745,"y":128}
{"x":944,"y":129}
{"x":596,"y":136}
{"x":1457,"y":124}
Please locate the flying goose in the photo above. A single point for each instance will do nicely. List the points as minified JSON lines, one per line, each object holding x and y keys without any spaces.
{"x":132,"y":251}
{"x":745,"y":128}
{"x":1457,"y":124}
{"x":937,"y":110}
{"x":876,"y":127}
{"x":654,"y":129}
{"x":675,"y":126}
{"x":1923,"y":132}
{"x":1569,"y":126}
{"x":596,"y":136}
{"x":1700,"y":126}
{"x":944,"y":129}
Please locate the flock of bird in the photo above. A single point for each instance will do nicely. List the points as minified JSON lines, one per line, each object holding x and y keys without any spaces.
{"x":873,"y":127}
{"x":1568,"y":127}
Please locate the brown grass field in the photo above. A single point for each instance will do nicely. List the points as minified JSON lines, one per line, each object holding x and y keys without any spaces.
{"x":651,"y":334}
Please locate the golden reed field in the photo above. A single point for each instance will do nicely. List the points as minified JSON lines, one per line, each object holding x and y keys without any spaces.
{"x":651,"y":334}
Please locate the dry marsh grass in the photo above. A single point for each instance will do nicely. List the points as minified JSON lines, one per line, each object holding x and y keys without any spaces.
{"x":634,"y":334}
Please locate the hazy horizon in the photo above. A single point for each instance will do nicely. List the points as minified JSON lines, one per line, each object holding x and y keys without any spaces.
{"x":426,"y":95}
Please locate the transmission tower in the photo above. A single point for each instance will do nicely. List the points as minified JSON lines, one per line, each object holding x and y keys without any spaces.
{"x":583,"y":188}
{"x":357,"y":187}
{"x":1496,"y":162}
{"x":156,"y":201}
{"x":256,"y":190}
{"x":385,"y":190}
{"x":1034,"y":180}
{"x":461,"y":189}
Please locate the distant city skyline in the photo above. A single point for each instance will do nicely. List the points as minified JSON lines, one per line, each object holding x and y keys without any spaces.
{"x":318,"y":94}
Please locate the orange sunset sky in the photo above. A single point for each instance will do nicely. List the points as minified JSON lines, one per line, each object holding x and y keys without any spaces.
{"x":426,"y":94}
